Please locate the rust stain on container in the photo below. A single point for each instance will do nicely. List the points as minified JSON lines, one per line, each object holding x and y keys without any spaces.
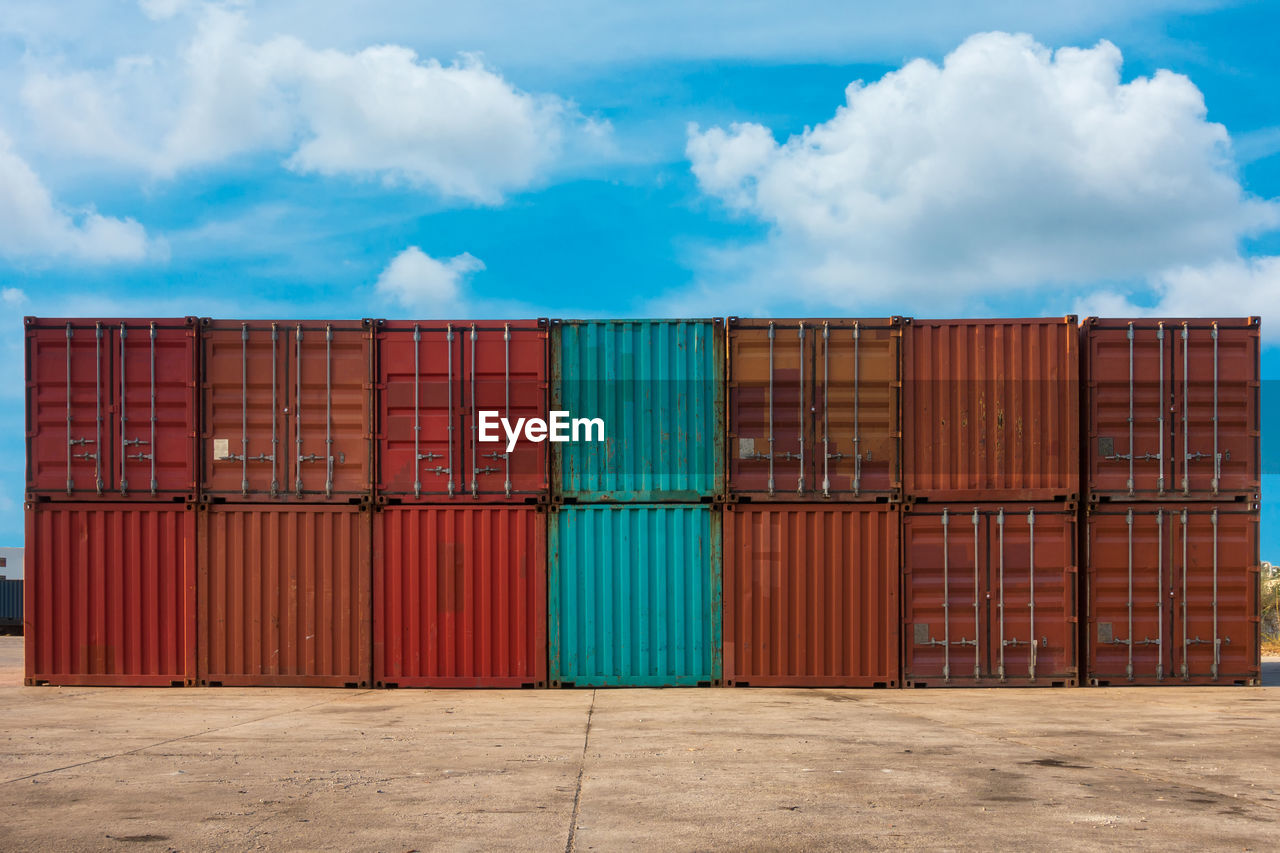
{"x":1173,"y":594}
{"x":813,"y":409}
{"x":969,"y":616}
{"x":110,"y":595}
{"x":460,"y":597}
{"x":991,"y":410}
{"x":287,"y":411}
{"x":811,"y":596}
{"x":284,"y":596}
{"x":1172,"y":409}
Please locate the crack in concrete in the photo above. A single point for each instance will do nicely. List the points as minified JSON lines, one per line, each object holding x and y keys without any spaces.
{"x":582,"y":767}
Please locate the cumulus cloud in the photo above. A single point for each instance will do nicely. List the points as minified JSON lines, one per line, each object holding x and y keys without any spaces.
{"x":1236,"y":287}
{"x":1006,"y":168}
{"x":414,"y":279}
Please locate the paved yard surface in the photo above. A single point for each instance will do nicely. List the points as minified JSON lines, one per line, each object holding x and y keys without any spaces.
{"x":1190,"y":768}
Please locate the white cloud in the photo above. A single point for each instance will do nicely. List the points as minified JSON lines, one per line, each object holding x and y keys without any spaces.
{"x":1238,"y":287}
{"x":160,"y":10}
{"x":1009,"y":167}
{"x":13,"y":297}
{"x":414,"y":279}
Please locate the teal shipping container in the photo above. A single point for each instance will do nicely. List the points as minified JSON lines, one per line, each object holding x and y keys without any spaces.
{"x":658,"y":387}
{"x":635,"y":596}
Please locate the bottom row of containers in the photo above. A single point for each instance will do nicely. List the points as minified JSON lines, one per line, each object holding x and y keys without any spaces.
{"x":641,"y":595}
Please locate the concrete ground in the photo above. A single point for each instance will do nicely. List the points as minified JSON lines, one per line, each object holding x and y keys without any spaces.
{"x":197,"y":769}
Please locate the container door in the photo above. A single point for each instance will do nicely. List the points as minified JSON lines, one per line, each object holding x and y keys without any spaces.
{"x":772,"y":430}
{"x":69,"y":423}
{"x":856,"y":375}
{"x":246,"y":407}
{"x":421,"y":406}
{"x":155,"y":411}
{"x":944,"y":575}
{"x":328,"y":381}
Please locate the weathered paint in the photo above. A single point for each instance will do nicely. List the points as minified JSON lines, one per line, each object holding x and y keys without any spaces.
{"x":658,"y":385}
{"x":460,"y":597}
{"x":110,"y":595}
{"x":635,"y":596}
{"x":811,"y":595}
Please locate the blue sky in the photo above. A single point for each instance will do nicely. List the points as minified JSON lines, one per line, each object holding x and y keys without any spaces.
{"x":488,"y":159}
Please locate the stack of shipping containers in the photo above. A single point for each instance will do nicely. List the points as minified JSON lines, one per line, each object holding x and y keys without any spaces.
{"x":1171,"y":471}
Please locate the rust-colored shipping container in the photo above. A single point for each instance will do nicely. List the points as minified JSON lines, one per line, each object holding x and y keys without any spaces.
{"x":813,"y":409}
{"x":434,"y":380}
{"x":811,"y":595}
{"x":990,"y":410}
{"x":969,"y":616}
{"x":111,"y":409}
{"x":284,"y":595}
{"x":1173,"y":594}
{"x":110,"y":595}
{"x":287,"y":411}
{"x":1171,"y":409}
{"x":460,"y":597}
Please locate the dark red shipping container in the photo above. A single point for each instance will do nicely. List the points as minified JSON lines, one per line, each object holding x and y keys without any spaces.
{"x":1173,"y":594}
{"x":111,"y":409}
{"x":1172,"y":409}
{"x":287,"y":411}
{"x":990,"y":410}
{"x":434,"y":379}
{"x":110,"y":595}
{"x":811,"y":595}
{"x":284,"y":596}
{"x":460,"y":597}
{"x":969,"y":616}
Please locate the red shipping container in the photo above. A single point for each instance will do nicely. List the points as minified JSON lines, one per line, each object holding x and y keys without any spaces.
{"x":110,"y":595}
{"x":1171,"y":409}
{"x":460,"y":597}
{"x":1173,"y":594}
{"x":287,"y":411}
{"x":990,"y":410}
{"x":970,"y":618}
{"x":434,"y":378}
{"x":284,"y":596}
{"x":111,"y":409}
{"x":811,"y":596}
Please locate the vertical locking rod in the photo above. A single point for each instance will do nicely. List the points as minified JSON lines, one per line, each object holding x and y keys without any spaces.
{"x":771,"y":335}
{"x":244,"y":408}
{"x":1217,"y":641}
{"x":275,"y":441}
{"x":1186,"y":444}
{"x":124,"y":420}
{"x":1217,"y":457}
{"x":857,"y":431}
{"x":506,"y":381}
{"x":1129,"y":528}
{"x":475,"y":462}
{"x":1031,"y":534}
{"x":297,"y":409}
{"x":154,"y":450}
{"x":1000,"y":603}
{"x":1132,"y":451}
{"x":803,"y":419}
{"x":1164,"y":405}
{"x":1185,"y":645}
{"x":97,"y":455}
{"x":328,"y":409}
{"x":946,"y":600}
{"x":70,"y":479}
{"x":1160,"y":593}
{"x":977,"y":629}
{"x":449,"y":340}
{"x":417,"y":416}
{"x":826,"y":409}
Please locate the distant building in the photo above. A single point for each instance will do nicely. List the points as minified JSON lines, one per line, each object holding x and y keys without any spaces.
{"x":11,"y":563}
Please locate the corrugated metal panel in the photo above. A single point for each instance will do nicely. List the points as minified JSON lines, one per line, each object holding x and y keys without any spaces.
{"x":11,"y":604}
{"x":635,"y":596}
{"x":1173,"y":594}
{"x":1171,"y":409}
{"x":969,"y":616}
{"x":111,"y":409}
{"x":287,"y":411}
{"x":811,"y":596}
{"x":110,"y":595}
{"x":813,"y":409}
{"x":285,"y":596}
{"x":658,"y":386}
{"x":460,"y":597}
{"x":434,"y":378}
{"x":991,"y":410}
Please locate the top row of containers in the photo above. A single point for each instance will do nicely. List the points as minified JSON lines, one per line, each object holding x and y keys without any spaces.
{"x":791,"y":410}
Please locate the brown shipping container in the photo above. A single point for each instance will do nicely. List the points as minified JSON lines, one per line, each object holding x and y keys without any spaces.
{"x":991,"y":410}
{"x":111,"y":409}
{"x":969,"y":617}
{"x":284,"y":596}
{"x":110,"y":595}
{"x":434,"y":379}
{"x":1173,"y":594}
{"x":287,"y":411}
{"x":1171,"y":409}
{"x":460,"y":597}
{"x":811,"y":596}
{"x":813,"y":409}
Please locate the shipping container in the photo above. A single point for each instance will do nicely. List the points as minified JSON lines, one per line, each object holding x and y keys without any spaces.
{"x":811,"y":595}
{"x":989,"y":595}
{"x":635,"y":596}
{"x":10,"y":605}
{"x":1172,"y":409}
{"x":111,"y":409}
{"x":435,"y":379}
{"x":110,"y":594}
{"x":813,"y":409}
{"x":460,"y":597}
{"x":1173,"y":594}
{"x":657,"y":387}
{"x":991,"y":410}
{"x":285,"y":596}
{"x":287,"y":411}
